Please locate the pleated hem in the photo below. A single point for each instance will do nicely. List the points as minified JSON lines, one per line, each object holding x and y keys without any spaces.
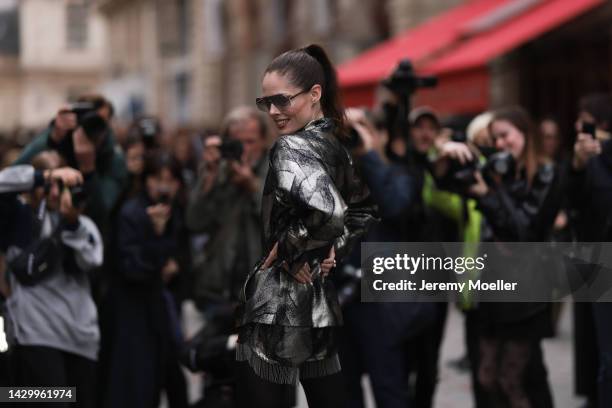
{"x":280,"y":374}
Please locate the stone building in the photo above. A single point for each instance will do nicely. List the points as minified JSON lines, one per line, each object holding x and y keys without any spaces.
{"x":190,"y":61}
{"x":51,"y":51}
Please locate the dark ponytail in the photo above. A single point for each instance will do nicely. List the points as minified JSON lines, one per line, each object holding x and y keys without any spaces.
{"x":309,"y":66}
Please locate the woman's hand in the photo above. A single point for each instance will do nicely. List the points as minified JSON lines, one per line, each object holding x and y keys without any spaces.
{"x":328,"y":263}
{"x":456,"y":151}
{"x":451,"y":151}
{"x":271,"y":257}
{"x":480,"y":188}
{"x":159,"y":215}
{"x":68,"y":176}
{"x":303,"y":275}
{"x":170,"y":270}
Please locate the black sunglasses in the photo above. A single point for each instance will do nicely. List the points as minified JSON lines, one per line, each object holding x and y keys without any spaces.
{"x":281,"y":101}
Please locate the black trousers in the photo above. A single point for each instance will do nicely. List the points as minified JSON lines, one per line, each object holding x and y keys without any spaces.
{"x":255,"y":392}
{"x":603,"y":323}
{"x":428,"y":356}
{"x":35,"y":366}
{"x":512,"y":373}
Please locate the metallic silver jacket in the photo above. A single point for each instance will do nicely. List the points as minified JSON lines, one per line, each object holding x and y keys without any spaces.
{"x":312,"y":200}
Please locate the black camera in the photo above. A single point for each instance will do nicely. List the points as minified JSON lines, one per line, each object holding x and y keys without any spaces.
{"x":404,"y":81}
{"x":80,"y":109}
{"x":94,"y":126}
{"x":588,"y":128}
{"x":148,"y":129}
{"x":231,"y":149}
{"x":499,"y":164}
{"x":164,"y":198}
{"x":78,"y":193}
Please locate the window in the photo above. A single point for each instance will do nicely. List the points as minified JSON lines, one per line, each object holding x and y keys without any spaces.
{"x":77,"y":18}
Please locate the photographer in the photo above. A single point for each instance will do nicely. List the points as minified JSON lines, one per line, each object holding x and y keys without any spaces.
{"x":82,"y":136}
{"x":411,"y":209}
{"x":141,"y":330}
{"x":225,"y":204}
{"x":519,"y":205}
{"x":50,"y":247}
{"x":590,"y":192}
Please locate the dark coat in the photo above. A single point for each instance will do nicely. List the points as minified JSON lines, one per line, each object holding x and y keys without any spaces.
{"x":138,"y":338}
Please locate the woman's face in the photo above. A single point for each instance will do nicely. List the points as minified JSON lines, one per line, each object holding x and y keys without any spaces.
{"x":302,"y":109}
{"x":162,"y":187}
{"x":549,"y":130}
{"x":134,"y":158}
{"x":507,"y":137}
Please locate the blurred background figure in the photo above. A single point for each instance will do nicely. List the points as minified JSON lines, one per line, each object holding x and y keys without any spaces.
{"x":590,"y":197}
{"x":142,"y":336}
{"x":50,"y":250}
{"x":225,"y":203}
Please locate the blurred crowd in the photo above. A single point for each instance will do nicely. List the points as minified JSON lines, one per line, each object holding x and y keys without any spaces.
{"x":107,"y":231}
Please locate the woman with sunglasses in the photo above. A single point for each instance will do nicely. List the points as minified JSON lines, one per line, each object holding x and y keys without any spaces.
{"x":313,"y":209}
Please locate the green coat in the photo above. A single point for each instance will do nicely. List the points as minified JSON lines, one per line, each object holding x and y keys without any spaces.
{"x":231,"y":218}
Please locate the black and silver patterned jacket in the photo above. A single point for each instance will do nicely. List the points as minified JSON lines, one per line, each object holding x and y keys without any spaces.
{"x":312,"y":200}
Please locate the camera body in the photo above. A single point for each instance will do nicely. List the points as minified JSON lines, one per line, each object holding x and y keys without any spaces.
{"x":80,"y":109}
{"x":148,"y":129}
{"x":78,"y":194}
{"x":231,"y":149}
{"x":94,"y":126}
{"x":404,"y":81}
{"x":588,"y":128}
{"x":497,"y":165}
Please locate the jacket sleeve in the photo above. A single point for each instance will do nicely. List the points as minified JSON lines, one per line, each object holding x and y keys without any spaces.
{"x":528,"y":218}
{"x":105,"y":187}
{"x":142,"y":254}
{"x":303,"y":184}
{"x":361,"y":213}
{"x":86,"y":241}
{"x":39,"y":144}
{"x":391,"y":191}
{"x":19,"y":178}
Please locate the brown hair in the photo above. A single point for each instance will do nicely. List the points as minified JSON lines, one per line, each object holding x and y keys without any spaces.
{"x":532,"y":156}
{"x":309,"y":66}
{"x":47,"y":160}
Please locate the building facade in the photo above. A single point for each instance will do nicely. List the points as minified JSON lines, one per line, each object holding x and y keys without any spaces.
{"x":59,"y":54}
{"x":190,"y":61}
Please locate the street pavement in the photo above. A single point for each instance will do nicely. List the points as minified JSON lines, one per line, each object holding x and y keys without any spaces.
{"x":454,"y":388}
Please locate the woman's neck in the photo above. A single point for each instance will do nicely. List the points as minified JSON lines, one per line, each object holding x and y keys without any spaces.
{"x":317,"y":114}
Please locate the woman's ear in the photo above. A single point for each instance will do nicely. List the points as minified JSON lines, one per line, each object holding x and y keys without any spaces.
{"x":315,"y":93}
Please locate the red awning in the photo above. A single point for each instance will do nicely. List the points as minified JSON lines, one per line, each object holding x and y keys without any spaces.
{"x":457,"y":45}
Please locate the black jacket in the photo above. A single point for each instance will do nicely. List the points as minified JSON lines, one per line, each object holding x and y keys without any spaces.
{"x":590,"y":194}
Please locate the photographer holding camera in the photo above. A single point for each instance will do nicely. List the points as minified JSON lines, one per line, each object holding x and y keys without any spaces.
{"x":518,"y":192}
{"x":81,"y":134}
{"x":590,"y":194}
{"x":51,"y":317}
{"x":225,"y":204}
{"x":388,"y":359}
{"x":141,"y":330}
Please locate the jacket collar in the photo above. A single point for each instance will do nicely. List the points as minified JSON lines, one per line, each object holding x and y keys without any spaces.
{"x":320,"y":125}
